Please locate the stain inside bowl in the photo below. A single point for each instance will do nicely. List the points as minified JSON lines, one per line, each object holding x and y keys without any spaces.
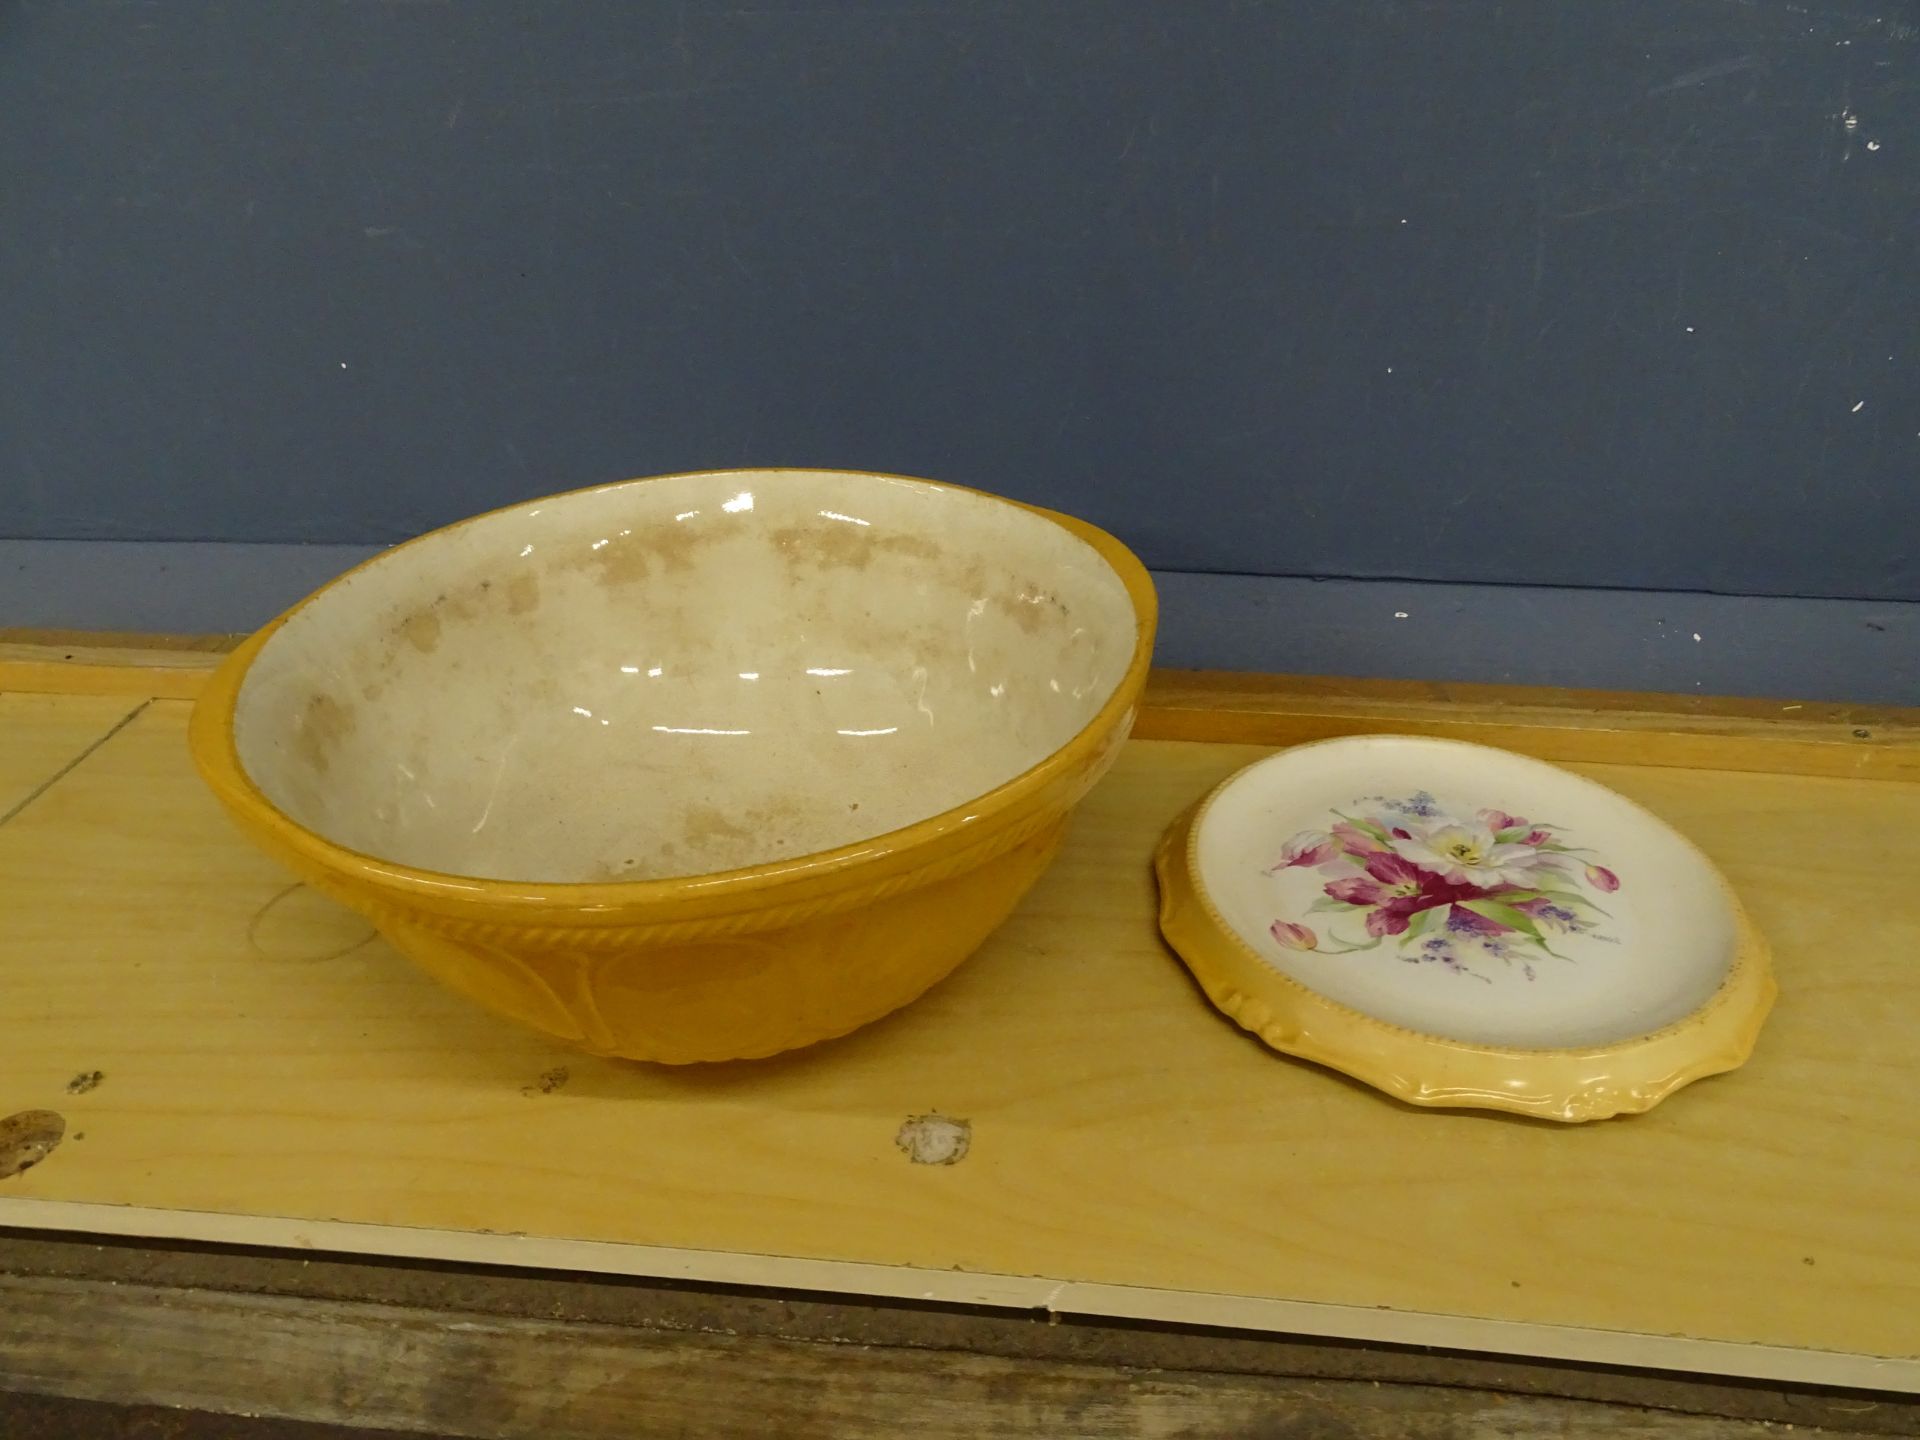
{"x":681,"y":676}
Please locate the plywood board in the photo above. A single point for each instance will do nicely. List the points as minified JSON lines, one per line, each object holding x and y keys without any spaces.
{"x":42,"y":734}
{"x":269,"y":1073}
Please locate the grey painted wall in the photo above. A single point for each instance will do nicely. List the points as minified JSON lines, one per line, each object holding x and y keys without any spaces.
{"x":1568,"y":292}
{"x":1845,"y":650}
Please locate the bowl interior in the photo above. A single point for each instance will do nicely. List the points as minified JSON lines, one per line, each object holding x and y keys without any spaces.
{"x":685,"y":675}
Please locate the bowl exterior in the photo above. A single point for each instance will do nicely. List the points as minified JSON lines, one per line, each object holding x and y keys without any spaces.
{"x":730,"y":996}
{"x":775,"y":974}
{"x":735,"y":966}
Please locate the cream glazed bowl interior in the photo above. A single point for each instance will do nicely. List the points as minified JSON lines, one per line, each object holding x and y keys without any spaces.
{"x":693,"y":767}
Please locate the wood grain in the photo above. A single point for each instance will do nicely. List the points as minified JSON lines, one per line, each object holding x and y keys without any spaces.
{"x":1121,"y":1346}
{"x":146,"y":670}
{"x":42,"y":734}
{"x":1595,"y":726}
{"x":53,"y":1417}
{"x":263,"y":1057}
{"x":517,"y":1379}
{"x":124,"y":640}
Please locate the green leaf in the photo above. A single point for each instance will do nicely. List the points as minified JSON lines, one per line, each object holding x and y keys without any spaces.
{"x":1327,"y":902}
{"x":1419,"y":924}
{"x":1502,"y":914}
{"x":1514,"y":920}
{"x":1372,"y":944}
{"x":1514,"y":833}
{"x":1367,"y":827}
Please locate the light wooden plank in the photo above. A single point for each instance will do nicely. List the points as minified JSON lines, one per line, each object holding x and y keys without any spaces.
{"x":520,"y":1379}
{"x":40,"y":735}
{"x":69,"y":640}
{"x":105,"y":670}
{"x":1592,"y":726}
{"x":262,"y":1057}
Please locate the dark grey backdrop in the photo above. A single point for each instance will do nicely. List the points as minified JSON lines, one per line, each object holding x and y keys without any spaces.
{"x":1564,"y":292}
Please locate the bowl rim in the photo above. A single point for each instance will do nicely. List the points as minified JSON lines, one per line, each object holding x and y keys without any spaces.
{"x":216,"y":752}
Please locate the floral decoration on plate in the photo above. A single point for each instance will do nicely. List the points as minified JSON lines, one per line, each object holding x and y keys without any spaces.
{"x":1493,"y":892}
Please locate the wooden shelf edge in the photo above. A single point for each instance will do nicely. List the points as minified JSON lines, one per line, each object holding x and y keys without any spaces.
{"x":157,"y":667}
{"x":355,"y":1364}
{"x":1579,"y":726}
{"x":1778,"y":1364}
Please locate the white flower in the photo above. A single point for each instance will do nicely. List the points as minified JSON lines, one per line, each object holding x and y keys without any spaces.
{"x":1469,"y":855}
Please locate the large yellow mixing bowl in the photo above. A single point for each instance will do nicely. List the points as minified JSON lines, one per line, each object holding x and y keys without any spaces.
{"x":692,"y":768}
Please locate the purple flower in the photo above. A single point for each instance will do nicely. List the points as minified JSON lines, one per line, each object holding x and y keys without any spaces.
{"x":1462,"y":921}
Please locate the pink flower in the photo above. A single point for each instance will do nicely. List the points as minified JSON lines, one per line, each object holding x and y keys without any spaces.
{"x":1356,"y":890}
{"x":1602,"y":879}
{"x":1293,"y":937}
{"x":1356,"y":842}
{"x":1390,"y":869}
{"x":1498,"y":820}
{"x":1388,"y":877}
{"x":1535,"y":837}
{"x":1387,"y":920}
{"x":1309,"y":847}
